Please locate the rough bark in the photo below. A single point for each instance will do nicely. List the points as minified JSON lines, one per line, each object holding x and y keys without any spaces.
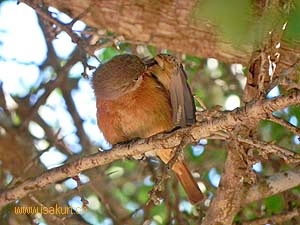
{"x":230,"y":192}
{"x":167,"y":24}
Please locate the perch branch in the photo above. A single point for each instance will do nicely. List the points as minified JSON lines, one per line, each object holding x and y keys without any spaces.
{"x":255,"y":111}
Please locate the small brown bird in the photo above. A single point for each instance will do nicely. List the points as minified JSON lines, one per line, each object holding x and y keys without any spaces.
{"x":140,"y":98}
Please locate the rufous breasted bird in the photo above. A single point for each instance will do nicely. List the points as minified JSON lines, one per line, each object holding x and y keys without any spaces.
{"x":139,"y":98}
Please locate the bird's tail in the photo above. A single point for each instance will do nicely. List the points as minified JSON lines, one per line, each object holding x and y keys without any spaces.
{"x":184,"y":175}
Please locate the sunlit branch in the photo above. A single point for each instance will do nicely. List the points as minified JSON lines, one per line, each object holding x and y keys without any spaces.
{"x":255,"y":111}
{"x":274,"y":184}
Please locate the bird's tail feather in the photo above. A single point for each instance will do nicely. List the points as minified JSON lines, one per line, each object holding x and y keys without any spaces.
{"x":185,"y":177}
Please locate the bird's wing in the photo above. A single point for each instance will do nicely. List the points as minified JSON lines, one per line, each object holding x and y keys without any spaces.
{"x":172,"y":76}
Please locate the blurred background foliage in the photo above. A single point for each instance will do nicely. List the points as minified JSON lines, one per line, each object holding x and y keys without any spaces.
{"x":249,"y":22}
{"x":47,"y":118}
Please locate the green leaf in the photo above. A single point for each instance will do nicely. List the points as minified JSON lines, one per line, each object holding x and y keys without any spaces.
{"x":274,"y":204}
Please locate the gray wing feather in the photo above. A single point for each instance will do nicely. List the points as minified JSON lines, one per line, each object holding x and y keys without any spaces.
{"x":181,"y":99}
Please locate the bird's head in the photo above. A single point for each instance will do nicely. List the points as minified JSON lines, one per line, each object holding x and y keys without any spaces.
{"x":117,"y":76}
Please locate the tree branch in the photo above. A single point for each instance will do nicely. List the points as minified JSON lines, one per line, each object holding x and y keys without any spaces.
{"x":231,"y":190}
{"x":266,"y":149}
{"x":165,"y":24}
{"x":285,"y":124}
{"x":275,"y":219}
{"x":274,"y":184}
{"x":228,"y":120}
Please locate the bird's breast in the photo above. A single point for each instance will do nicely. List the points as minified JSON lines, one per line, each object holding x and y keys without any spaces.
{"x":140,"y":113}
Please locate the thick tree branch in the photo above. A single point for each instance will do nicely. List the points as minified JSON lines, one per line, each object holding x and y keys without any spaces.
{"x":166,"y":24}
{"x":232,"y":190}
{"x":274,"y":184}
{"x":256,"y":111}
{"x":230,"y":193}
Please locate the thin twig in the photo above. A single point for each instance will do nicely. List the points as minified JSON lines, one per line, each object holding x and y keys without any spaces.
{"x":201,"y":103}
{"x":285,"y":124}
{"x":268,"y":148}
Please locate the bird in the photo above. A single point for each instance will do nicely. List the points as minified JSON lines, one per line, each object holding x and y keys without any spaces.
{"x":140,"y":97}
